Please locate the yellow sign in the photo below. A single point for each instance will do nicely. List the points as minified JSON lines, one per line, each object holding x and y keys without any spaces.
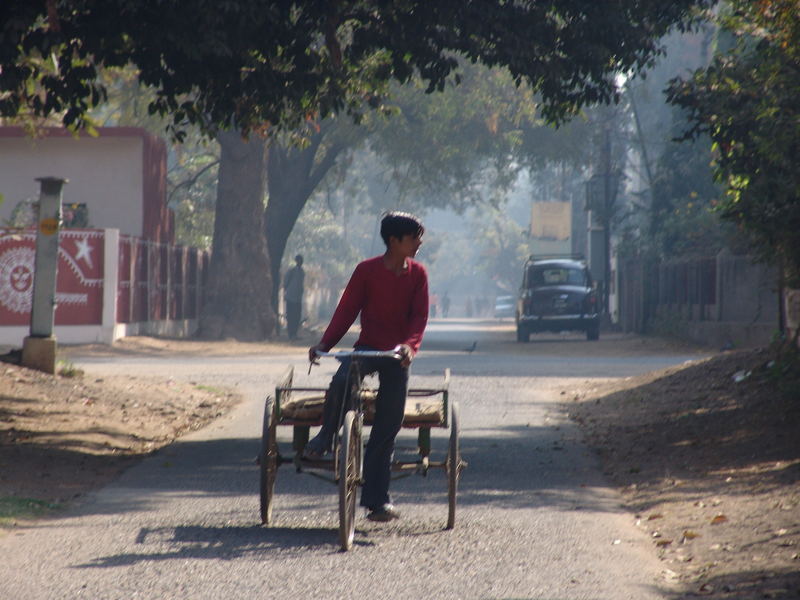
{"x":48,"y":226}
{"x":551,"y":220}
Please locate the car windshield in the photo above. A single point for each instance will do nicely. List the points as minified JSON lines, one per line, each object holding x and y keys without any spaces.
{"x":556,"y":275}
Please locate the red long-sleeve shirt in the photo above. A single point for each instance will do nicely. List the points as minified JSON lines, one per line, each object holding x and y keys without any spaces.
{"x":394,"y":308}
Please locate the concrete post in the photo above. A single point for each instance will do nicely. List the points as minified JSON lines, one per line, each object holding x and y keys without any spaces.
{"x":39,"y":349}
{"x":110,"y":285}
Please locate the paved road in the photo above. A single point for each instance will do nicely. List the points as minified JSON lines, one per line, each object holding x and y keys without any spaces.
{"x":535,"y":520}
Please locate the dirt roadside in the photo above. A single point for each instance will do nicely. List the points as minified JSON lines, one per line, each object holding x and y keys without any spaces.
{"x":65,"y":435}
{"x":706,"y":455}
{"x":707,"y":458}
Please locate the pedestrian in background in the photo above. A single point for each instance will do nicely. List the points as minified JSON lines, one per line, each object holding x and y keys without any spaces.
{"x":293,"y":296}
{"x":434,"y":303}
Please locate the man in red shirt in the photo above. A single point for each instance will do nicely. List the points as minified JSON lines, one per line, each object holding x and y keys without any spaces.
{"x":390,"y":292}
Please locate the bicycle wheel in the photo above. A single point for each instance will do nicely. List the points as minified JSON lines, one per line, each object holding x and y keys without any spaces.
{"x":351,"y":401}
{"x":268,"y":460}
{"x":353,"y":388}
{"x":453,"y":467}
{"x":349,"y":478}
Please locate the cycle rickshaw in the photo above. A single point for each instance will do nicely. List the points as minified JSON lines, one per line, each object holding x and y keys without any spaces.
{"x":301,"y":408}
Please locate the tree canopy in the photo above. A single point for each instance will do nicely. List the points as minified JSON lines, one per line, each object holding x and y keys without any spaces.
{"x":248,"y":63}
{"x":265,"y":65}
{"x":746,"y":102}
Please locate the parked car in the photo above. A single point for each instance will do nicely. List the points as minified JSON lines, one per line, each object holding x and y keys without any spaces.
{"x":557,"y":294}
{"x":504,"y":307}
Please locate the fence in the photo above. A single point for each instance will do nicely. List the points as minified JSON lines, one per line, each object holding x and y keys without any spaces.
{"x":158,"y":282}
{"x":719,"y":300}
{"x":108,"y":286}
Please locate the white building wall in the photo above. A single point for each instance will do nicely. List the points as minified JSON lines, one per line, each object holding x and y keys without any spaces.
{"x":103,"y":172}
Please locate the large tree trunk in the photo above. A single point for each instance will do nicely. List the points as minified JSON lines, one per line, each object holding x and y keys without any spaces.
{"x":239,"y":284}
{"x":292,"y":176}
{"x":287,"y":197}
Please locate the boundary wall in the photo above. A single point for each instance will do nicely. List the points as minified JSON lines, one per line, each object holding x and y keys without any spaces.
{"x":108,"y":286}
{"x":722,"y":301}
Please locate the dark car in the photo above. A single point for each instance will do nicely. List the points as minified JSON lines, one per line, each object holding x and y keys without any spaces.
{"x":557,"y":294}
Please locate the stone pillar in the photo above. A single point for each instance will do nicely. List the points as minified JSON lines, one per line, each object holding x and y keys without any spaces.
{"x":39,"y":348}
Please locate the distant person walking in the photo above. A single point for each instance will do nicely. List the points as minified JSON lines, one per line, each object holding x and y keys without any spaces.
{"x":434,"y":304}
{"x":293,"y":296}
{"x":445,"y":305}
{"x":481,"y":304}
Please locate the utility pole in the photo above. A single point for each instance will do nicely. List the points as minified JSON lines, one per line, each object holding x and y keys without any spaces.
{"x":608,"y":201}
{"x":39,"y":348}
{"x":648,"y":169}
{"x":601,"y":193}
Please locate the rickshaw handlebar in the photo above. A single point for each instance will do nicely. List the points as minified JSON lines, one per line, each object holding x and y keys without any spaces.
{"x":393,"y":353}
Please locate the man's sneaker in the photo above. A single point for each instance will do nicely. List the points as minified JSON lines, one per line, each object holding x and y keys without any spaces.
{"x":384,"y":513}
{"x":318,"y":446}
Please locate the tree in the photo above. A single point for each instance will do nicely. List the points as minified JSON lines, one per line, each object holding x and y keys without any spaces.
{"x":242,"y":256}
{"x":446,"y":151}
{"x":192,"y":164}
{"x":682,"y":221}
{"x":250,"y":62}
{"x":253,"y":66}
{"x":294,"y":172}
{"x":745,"y":101}
{"x":443,"y":148}
{"x":422,"y":151}
{"x":504,"y":248}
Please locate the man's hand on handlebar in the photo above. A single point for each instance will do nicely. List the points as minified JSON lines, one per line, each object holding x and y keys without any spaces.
{"x":406,"y":353}
{"x":312,"y":353}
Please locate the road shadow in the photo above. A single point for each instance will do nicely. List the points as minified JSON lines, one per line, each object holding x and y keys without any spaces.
{"x":719,"y":421}
{"x":216,"y":543}
{"x":520,"y":467}
{"x":748,"y":584}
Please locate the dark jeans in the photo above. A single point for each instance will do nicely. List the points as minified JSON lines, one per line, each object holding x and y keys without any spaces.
{"x":293,"y":310}
{"x":389,"y":410}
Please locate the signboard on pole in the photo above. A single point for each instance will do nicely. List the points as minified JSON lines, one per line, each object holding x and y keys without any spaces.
{"x":551,"y":220}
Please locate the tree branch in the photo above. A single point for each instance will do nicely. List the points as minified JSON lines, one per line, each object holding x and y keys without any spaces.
{"x":325,"y":165}
{"x":190,"y":182}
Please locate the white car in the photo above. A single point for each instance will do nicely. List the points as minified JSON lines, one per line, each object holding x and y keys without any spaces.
{"x":504,"y":307}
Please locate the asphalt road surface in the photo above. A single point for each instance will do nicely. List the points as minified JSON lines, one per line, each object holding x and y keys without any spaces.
{"x":535,"y":518}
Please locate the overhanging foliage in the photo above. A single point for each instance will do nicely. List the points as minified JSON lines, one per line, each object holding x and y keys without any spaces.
{"x":248,"y":63}
{"x":746,"y":102}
